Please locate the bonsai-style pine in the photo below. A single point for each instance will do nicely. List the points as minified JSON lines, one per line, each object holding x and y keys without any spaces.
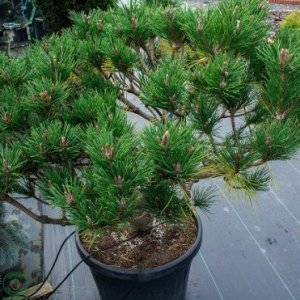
{"x":67,"y":135}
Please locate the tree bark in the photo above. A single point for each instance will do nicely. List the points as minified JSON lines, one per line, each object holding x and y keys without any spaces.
{"x":43,"y":219}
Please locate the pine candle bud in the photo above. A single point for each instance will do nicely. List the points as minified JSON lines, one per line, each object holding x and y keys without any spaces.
{"x":46,"y":48}
{"x":172,"y":99}
{"x":6,"y":118}
{"x":224,"y":70}
{"x":45,"y":134}
{"x":99,"y":25}
{"x":200,"y":26}
{"x":42,"y":148}
{"x":223,"y":84}
{"x":218,"y":49}
{"x":170,"y":12}
{"x":238,"y":23}
{"x":191,"y":149}
{"x":108,"y":152}
{"x":281,"y":115}
{"x":269,"y":140}
{"x":5,"y":75}
{"x":165,"y":139}
{"x":63,"y":143}
{"x":69,"y":197}
{"x":119,"y":180}
{"x":167,"y":80}
{"x":54,"y":60}
{"x":235,"y":9}
{"x":43,"y":96}
{"x":134,"y":21}
{"x":6,"y":167}
{"x":177,"y":168}
{"x":284,"y":57}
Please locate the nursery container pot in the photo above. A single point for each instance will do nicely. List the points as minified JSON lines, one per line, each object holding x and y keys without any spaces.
{"x":166,"y":282}
{"x":40,"y":28}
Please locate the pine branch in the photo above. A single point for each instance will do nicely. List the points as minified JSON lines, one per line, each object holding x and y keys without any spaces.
{"x":40,"y":200}
{"x":143,"y":65}
{"x":133,"y":79}
{"x":152,"y":111}
{"x":158,"y":112}
{"x":134,"y":109}
{"x":233,"y":125}
{"x":242,"y":114}
{"x":33,"y":196}
{"x":43,"y":219}
{"x":150,"y":58}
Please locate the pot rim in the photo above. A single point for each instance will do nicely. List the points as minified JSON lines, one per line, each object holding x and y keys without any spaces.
{"x":149,"y":272}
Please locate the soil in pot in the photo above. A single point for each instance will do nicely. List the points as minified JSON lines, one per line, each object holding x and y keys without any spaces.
{"x":161,"y":243}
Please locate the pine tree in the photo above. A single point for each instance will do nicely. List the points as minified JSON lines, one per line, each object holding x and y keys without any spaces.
{"x":66,"y":137}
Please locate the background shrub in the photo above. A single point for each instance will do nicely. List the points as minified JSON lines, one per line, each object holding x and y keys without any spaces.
{"x":56,"y":12}
{"x":292,"y":21}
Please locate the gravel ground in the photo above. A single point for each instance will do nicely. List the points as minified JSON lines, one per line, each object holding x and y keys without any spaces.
{"x":278,"y":7}
{"x":277,"y":16}
{"x":277,"y":11}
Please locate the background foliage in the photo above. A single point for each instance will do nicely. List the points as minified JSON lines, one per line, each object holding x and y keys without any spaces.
{"x":56,"y":12}
{"x":291,"y":21}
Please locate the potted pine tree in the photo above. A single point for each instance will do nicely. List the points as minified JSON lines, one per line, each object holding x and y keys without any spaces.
{"x":67,"y":138}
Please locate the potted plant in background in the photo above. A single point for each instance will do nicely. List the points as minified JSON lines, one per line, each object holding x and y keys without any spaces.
{"x":67,"y":140}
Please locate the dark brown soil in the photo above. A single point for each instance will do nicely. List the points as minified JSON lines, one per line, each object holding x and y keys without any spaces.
{"x":132,"y":249}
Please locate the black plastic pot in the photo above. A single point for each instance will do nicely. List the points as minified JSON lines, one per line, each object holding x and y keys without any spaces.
{"x":20,"y":35}
{"x":40,"y":28}
{"x":166,"y":282}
